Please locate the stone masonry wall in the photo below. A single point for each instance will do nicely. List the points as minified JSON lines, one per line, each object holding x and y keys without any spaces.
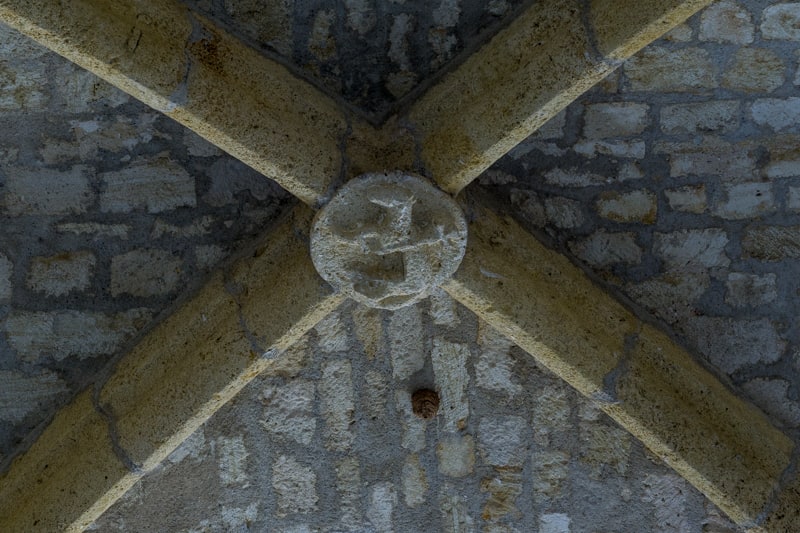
{"x":677,"y":182}
{"x":108,"y":212}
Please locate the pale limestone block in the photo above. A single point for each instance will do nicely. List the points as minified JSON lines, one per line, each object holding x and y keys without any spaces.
{"x":380,"y":510}
{"x":22,"y":395}
{"x":781,"y":21}
{"x":196,"y":228}
{"x":6,"y":270}
{"x":443,"y":309}
{"x":602,"y":249}
{"x":564,"y":212}
{"x":237,"y":519}
{"x":295,"y":487}
{"x":502,"y":440}
{"x":368,"y":324}
{"x":711,"y":157}
{"x":726,"y":22}
{"x":15,"y":44}
{"x":503,"y":489}
{"x":745,"y":290}
{"x":667,"y":494}
{"x":99,"y":231}
{"x":375,"y":394}
{"x":793,"y":201}
{"x":348,"y":484}
{"x":717,"y":116}
{"x":337,"y":403}
{"x":633,"y":149}
{"x":413,"y":427}
{"x":653,"y":69}
{"x":776,"y":113}
{"x":730,"y":344}
{"x":573,"y":177}
{"x":551,"y":413}
{"x":691,"y":250}
{"x":61,"y":334}
{"x":157,"y":185}
{"x":455,"y":511}
{"x":494,"y":366}
{"x":451,"y":377}
{"x":550,"y":471}
{"x":746,"y":200}
{"x":688,"y":199}
{"x":289,"y":411}
{"x":232,"y":460}
{"x":671,"y":296}
{"x":622,"y":119}
{"x":634,"y":206}
{"x":754,"y":70}
{"x":456,"y":455}
{"x":332,"y":334}
{"x":406,"y":342}
{"x":23,"y":88}
{"x":320,"y":42}
{"x":207,"y":256}
{"x":414,"y":482}
{"x":771,"y":243}
{"x":144,"y":273}
{"x":554,"y":523}
{"x":771,"y":395}
{"x":602,"y":446}
{"x":61,"y":274}
{"x":361,"y":16}
{"x":47,"y":192}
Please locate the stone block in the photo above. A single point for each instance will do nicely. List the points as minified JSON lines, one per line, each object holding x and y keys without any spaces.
{"x":23,"y":394}
{"x":6,"y":270}
{"x":414,"y":482}
{"x":502,"y":441}
{"x":689,"y":199}
{"x":778,"y":114}
{"x":58,"y":335}
{"x":653,"y":69}
{"x":338,"y":404}
{"x":289,"y":411}
{"x":61,"y":274}
{"x":452,"y":379}
{"x":745,"y":200}
{"x":295,"y":487}
{"x":711,"y":157}
{"x":771,"y":243}
{"x":634,"y":206}
{"x":772,"y":396}
{"x":573,"y":177}
{"x":754,"y":70}
{"x":603,"y":249}
{"x":630,"y":149}
{"x":730,"y":344}
{"x":622,"y":119}
{"x":781,"y":21}
{"x":718,"y":116}
{"x":726,"y":22}
{"x":157,"y":186}
{"x":23,"y":88}
{"x":692,"y":249}
{"x":673,"y":296}
{"x":47,"y":192}
{"x":564,"y":212}
{"x":784,"y":156}
{"x":144,"y":273}
{"x":793,"y":201}
{"x":750,"y":290}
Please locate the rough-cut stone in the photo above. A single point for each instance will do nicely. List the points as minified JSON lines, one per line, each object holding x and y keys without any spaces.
{"x":47,"y":192}
{"x":550,"y":471}
{"x":603,"y":446}
{"x":232,"y":460}
{"x":61,"y":274}
{"x":386,"y":240}
{"x":754,"y":70}
{"x":771,"y":243}
{"x":726,"y":22}
{"x":730,"y":344}
{"x":717,"y":116}
{"x":413,"y":438}
{"x":667,"y":494}
{"x":624,"y":149}
{"x":746,"y":200}
{"x":61,"y":334}
{"x":689,"y":250}
{"x":145,"y":273}
{"x":689,"y":199}
{"x":406,"y":342}
{"x":337,"y":403}
{"x":793,"y":200}
{"x":450,"y":371}
{"x":456,"y":455}
{"x":772,"y":396}
{"x":554,"y":523}
{"x":289,"y":411}
{"x":503,"y":489}
{"x":779,"y":114}
{"x":383,"y":498}
{"x":634,"y":206}
{"x":614,"y":120}
{"x":602,"y":249}
{"x":653,"y":69}
{"x":414,"y":482}
{"x":671,"y":296}
{"x":6,"y":270}
{"x":711,"y":157}
{"x":502,"y":440}
{"x":572,"y":177}
{"x":564,"y":212}
{"x":332,"y":334}
{"x":494,"y":366}
{"x":295,"y":487}
{"x":348,"y":483}
{"x":784,"y":156}
{"x":157,"y":186}
{"x":21,"y":394}
{"x":781,"y":21}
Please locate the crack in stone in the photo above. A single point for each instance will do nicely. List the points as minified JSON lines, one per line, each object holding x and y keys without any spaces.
{"x":235,"y":291}
{"x":418,"y":166}
{"x":609,"y":393}
{"x":113,"y":434}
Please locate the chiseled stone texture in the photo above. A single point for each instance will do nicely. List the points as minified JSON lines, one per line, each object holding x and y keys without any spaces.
{"x":532,"y":455}
{"x":108,"y":211}
{"x":701,"y":227}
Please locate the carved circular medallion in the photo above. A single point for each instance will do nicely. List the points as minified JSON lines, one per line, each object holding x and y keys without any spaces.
{"x":386,"y":239}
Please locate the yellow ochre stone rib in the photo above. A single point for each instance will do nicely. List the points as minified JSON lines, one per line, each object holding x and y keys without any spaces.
{"x":634,"y":372}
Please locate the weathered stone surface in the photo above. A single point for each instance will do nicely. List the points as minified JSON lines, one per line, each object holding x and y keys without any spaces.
{"x":654,"y":70}
{"x":386,"y":240}
{"x":502,"y":440}
{"x":144,"y":273}
{"x":61,"y":274}
{"x":338,"y":407}
{"x":623,"y":148}
{"x":564,"y":212}
{"x":62,"y":334}
{"x":673,"y":296}
{"x":47,"y":192}
{"x":6,"y":270}
{"x":404,"y":334}
{"x":717,"y":116}
{"x":452,"y":378}
{"x":603,"y":248}
{"x":289,"y":411}
{"x":614,"y":120}
{"x":232,"y":460}
{"x":779,"y":114}
{"x":772,"y":243}
{"x":735,"y":343}
{"x":295,"y":486}
{"x":755,"y":70}
{"x":156,"y":186}
{"x":745,"y":290}
{"x":456,"y":455}
{"x":726,"y":22}
{"x":781,"y":21}
{"x":689,"y":199}
{"x":745,"y":200}
{"x":711,"y":157}
{"x":22,"y":394}
{"x":635,"y":206}
{"x":772,"y":395}
{"x":692,"y":250}
{"x":414,"y":482}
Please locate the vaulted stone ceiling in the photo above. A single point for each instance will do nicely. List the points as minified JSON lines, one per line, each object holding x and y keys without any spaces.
{"x":674,"y":186}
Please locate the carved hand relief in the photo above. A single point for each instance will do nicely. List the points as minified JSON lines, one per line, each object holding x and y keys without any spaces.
{"x":385,"y":240}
